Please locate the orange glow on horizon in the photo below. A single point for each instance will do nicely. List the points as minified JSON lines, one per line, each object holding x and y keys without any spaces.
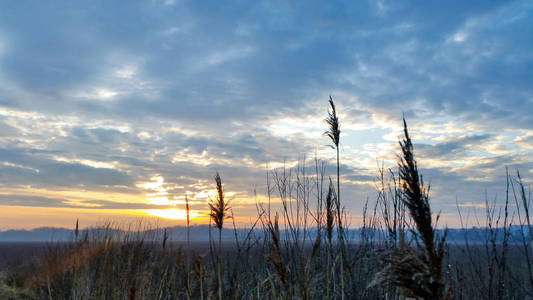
{"x":174,"y":213}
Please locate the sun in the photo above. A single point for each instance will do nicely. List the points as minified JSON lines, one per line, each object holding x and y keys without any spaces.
{"x":173,"y":213}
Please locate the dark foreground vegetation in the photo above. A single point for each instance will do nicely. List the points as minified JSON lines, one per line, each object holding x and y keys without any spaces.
{"x":300,"y":248}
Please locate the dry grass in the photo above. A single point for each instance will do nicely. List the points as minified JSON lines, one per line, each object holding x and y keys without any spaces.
{"x":416,"y":269}
{"x":334,"y":133}
{"x":298,"y":250}
{"x":219,"y":212}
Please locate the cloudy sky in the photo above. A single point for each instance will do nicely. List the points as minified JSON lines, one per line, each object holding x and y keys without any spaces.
{"x":113,"y":110}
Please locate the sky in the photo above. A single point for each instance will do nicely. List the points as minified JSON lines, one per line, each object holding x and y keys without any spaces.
{"x":116,"y":110}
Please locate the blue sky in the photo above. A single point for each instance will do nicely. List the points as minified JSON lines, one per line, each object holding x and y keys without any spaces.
{"x":108,"y":109}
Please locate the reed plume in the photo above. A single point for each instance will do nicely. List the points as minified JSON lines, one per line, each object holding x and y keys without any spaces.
{"x":334,"y":126}
{"x":219,"y":206}
{"x":417,"y":271}
{"x":334,"y":133}
{"x":219,"y":212}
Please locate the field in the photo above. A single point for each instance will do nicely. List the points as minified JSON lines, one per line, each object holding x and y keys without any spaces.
{"x":146,"y":270}
{"x":301,"y":249}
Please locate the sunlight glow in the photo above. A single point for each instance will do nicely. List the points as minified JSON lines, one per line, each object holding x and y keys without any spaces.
{"x":156,"y":184}
{"x":102,"y":94}
{"x":459,"y":37}
{"x":203,"y":158}
{"x":173,"y":213}
{"x":87,"y":162}
{"x":9,"y":164}
{"x":126,"y":72}
{"x":296,"y":127}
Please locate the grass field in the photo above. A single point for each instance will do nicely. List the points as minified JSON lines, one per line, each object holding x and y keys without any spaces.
{"x":299,"y":250}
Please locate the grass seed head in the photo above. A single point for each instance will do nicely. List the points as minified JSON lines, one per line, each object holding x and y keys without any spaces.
{"x":219,"y":205}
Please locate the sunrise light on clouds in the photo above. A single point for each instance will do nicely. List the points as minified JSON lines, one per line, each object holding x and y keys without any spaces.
{"x":118,"y":110}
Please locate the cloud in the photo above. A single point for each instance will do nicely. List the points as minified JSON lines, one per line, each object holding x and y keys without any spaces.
{"x":455,"y":147}
{"x":183,"y":89}
{"x":38,"y":201}
{"x":277,"y":56}
{"x":32,"y":167}
{"x":525,"y":141}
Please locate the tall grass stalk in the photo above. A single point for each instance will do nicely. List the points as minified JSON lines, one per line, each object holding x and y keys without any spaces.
{"x":523,"y":201}
{"x":334,"y":133}
{"x":188,"y":264}
{"x":330,"y":223}
{"x":219,"y":212}
{"x":188,"y":212}
{"x":77,"y":229}
{"x":415,"y":269}
{"x":416,"y":199}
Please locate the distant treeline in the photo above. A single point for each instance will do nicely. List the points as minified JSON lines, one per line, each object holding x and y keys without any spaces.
{"x":201,"y":233}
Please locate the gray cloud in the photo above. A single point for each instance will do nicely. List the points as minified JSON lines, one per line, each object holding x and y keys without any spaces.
{"x":27,"y":167}
{"x":453,"y":148}
{"x":38,"y":201}
{"x":395,"y":57}
{"x":525,"y":141}
{"x":183,"y":91}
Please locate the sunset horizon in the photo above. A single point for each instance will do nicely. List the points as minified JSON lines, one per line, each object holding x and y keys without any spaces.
{"x":105,"y":118}
{"x":332,"y":150}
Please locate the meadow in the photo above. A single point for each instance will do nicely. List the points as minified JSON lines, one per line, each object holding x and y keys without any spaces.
{"x":300,"y":248}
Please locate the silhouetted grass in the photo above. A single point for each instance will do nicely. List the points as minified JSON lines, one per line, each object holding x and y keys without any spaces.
{"x":415,"y":269}
{"x":299,"y":249}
